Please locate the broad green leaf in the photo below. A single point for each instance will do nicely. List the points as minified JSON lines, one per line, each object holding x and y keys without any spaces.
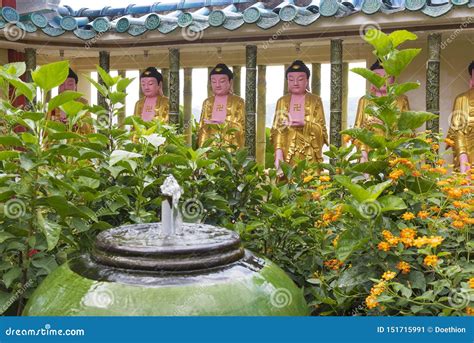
{"x":23,"y":88}
{"x":371,"y":167}
{"x":101,"y":88}
{"x":62,"y":98}
{"x":8,"y":155}
{"x":51,"y":75}
{"x":10,"y":276}
{"x":50,"y":230}
{"x":123,"y":84}
{"x":366,"y":136}
{"x":10,"y":141}
{"x":379,"y":40}
{"x":15,"y":69}
{"x":155,"y":139}
{"x":377,"y":189}
{"x":399,"y":60}
{"x":417,"y":280}
{"x":4,"y":299}
{"x":48,"y":264}
{"x":106,"y":78}
{"x":4,"y":236}
{"x":122,"y":155}
{"x":117,"y":97}
{"x":412,"y":120}
{"x":359,"y":193}
{"x":72,"y":108}
{"x":349,"y":241}
{"x":29,"y":138}
{"x":400,"y":36}
{"x":375,"y":79}
{"x":402,"y":88}
{"x":391,"y":203}
{"x":64,"y":135}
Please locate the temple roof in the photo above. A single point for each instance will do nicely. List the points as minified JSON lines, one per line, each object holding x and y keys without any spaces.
{"x":196,"y":16}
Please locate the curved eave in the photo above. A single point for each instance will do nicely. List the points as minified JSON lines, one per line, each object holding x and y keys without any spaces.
{"x":324,"y":27}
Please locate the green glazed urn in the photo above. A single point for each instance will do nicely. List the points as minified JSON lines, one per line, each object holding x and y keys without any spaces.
{"x":137,"y":270}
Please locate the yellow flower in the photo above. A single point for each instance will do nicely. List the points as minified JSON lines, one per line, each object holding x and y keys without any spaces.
{"x":423,"y":214}
{"x":384,"y":246}
{"x":324,"y":178}
{"x":316,"y":195}
{"x":434,"y":241}
{"x":431,"y":260}
{"x":471,"y":282}
{"x":449,"y":142}
{"x":408,"y":216}
{"x":333,"y":264}
{"x":371,"y":302}
{"x":407,"y":236}
{"x":378,"y":289}
{"x":469,"y":310}
{"x":308,"y":179}
{"x":404,"y":267}
{"x":458,"y":224}
{"x":389,"y":275}
{"x":396,"y":174}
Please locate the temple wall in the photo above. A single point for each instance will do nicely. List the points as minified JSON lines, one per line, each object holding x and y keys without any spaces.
{"x":3,"y":56}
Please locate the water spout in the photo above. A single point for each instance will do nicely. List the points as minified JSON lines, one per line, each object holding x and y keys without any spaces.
{"x":170,"y":214}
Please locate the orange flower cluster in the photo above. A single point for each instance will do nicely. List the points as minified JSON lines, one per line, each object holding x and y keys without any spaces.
{"x":423,"y":214}
{"x":433,"y":241}
{"x":329,"y":216}
{"x":308,"y":178}
{"x":389,"y":275}
{"x":471,"y":282}
{"x":396,"y":174}
{"x":460,"y":219}
{"x":334,"y":264}
{"x":470,"y":311}
{"x":449,"y":142}
{"x":408,"y":216}
{"x":407,"y":236}
{"x":404,"y":161}
{"x":378,"y":289}
{"x":431,"y":260}
{"x":404,"y":267}
{"x":324,"y":178}
{"x":409,"y":239}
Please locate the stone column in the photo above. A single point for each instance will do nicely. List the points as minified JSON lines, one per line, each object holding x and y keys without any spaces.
{"x":104,"y":63}
{"x":250,"y":98}
{"x":261,"y":114}
{"x":316,"y":78}
{"x":174,"y":85}
{"x":336,"y":92}
{"x":188,"y":99}
{"x":237,"y":70}
{"x":433,"y":79}
{"x":166,"y":81}
{"x":30,"y":61}
{"x":345,"y":94}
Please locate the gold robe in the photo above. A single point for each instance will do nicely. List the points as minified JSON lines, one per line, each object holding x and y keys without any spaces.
{"x":161,"y":108}
{"x":364,"y":120}
{"x":300,"y":142}
{"x":461,"y":129}
{"x":83,"y":127}
{"x":235,"y":119}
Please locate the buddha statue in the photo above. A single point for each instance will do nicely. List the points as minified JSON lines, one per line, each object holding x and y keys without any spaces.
{"x":299,"y":127}
{"x":222,"y":108}
{"x":364,"y":120}
{"x":461,"y":130}
{"x":84,"y":125}
{"x":153,"y":105}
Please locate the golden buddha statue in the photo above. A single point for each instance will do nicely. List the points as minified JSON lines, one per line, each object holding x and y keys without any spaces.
{"x":461,"y":130}
{"x":299,"y":127}
{"x":154,"y":105}
{"x":223,"y":108}
{"x":84,"y":126}
{"x":364,"y":120}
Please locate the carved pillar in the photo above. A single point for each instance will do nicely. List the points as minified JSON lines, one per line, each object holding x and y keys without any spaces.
{"x":237,"y":70}
{"x":250,"y":98}
{"x":336,"y":92}
{"x":121,"y":114}
{"x":261,"y":113}
{"x":345,"y":93}
{"x":166,"y":81}
{"x":433,"y":79}
{"x":174,"y":85}
{"x":30,"y":61}
{"x":316,"y":78}
{"x":188,"y":99}
{"x":104,"y":63}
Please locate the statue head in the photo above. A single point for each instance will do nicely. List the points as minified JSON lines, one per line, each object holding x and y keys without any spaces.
{"x":151,"y":82}
{"x":221,"y":80}
{"x":470,"y":69}
{"x":297,"y":77}
{"x":70,"y":84}
{"x":377,"y":68}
